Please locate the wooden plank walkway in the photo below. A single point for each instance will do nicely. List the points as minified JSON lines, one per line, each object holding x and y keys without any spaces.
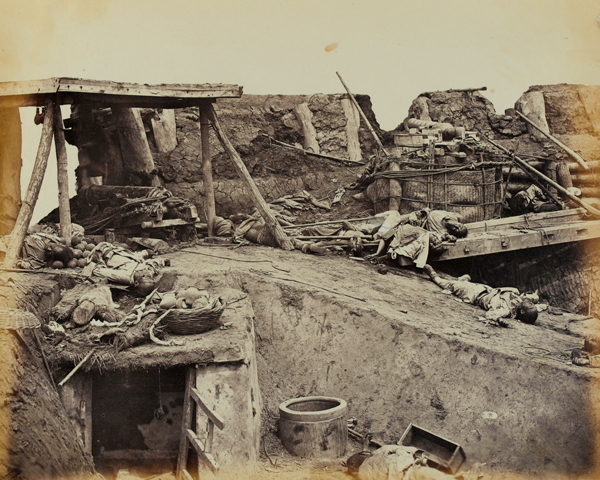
{"x":521,"y":232}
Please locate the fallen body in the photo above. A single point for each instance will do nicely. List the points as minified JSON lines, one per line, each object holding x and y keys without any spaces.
{"x":416,"y":233}
{"x":505,"y":302}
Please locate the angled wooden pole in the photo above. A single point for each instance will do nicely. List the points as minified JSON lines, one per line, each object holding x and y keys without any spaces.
{"x":259,"y":202}
{"x":528,"y":168}
{"x":64,"y":208}
{"x":33,"y":190}
{"x":571,"y":153}
{"x":207,"y":178}
{"x":362,"y":114}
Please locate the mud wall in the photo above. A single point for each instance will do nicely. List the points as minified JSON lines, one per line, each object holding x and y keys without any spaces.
{"x":276,"y":170}
{"x":393,"y":373}
{"x":36,"y":439}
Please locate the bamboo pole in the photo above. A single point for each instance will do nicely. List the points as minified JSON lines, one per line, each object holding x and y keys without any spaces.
{"x":77,"y":367}
{"x":207,"y":178}
{"x":259,"y":202}
{"x":362,"y":114}
{"x":33,"y":190}
{"x":571,"y":153}
{"x":330,"y":222}
{"x":64,"y":208}
{"x":308,"y":152}
{"x":539,"y":174}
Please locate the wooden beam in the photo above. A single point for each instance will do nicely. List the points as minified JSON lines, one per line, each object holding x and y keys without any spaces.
{"x":10,"y":168}
{"x":202,"y":455}
{"x":552,"y":183}
{"x":308,"y":152}
{"x":186,"y":422}
{"x":304,"y":117}
{"x":362,"y":114}
{"x":571,"y":153}
{"x":508,"y":240}
{"x":207,"y":177}
{"x":64,"y":208}
{"x":214,"y":416}
{"x":164,"y":129}
{"x":33,"y":190}
{"x":174,"y":90}
{"x":352,"y":127}
{"x":526,"y":221}
{"x":259,"y":202}
{"x":138,"y":160}
{"x":101,"y":92}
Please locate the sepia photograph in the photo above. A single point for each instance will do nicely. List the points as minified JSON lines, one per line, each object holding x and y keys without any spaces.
{"x":299,"y":240}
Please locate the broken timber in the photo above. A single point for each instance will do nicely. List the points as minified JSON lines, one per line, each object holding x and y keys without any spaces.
{"x":521,"y":232}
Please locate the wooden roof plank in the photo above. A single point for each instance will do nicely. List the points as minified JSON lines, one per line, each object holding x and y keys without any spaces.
{"x":206,"y":90}
{"x":30,"y":87}
{"x":105,"y":92}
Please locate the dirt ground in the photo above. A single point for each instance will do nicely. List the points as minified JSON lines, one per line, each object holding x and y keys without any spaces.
{"x":359,"y":288}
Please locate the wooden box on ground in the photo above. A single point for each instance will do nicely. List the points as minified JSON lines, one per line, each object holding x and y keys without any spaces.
{"x":448,"y":455}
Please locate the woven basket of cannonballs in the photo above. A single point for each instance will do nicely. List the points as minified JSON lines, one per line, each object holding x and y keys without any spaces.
{"x":191,"y":321}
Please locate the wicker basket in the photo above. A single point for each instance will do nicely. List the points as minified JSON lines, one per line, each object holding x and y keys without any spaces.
{"x":183,"y":321}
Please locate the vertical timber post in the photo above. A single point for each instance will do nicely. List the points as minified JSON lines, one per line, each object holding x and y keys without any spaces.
{"x":33,"y":190}
{"x":10,"y":168}
{"x":64,"y":209}
{"x":209,"y":188}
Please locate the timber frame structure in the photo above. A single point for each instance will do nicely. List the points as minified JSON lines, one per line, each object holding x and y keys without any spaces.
{"x":53,"y":92}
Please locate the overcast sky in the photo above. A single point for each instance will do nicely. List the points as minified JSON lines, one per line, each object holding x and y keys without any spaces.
{"x":391,"y":50}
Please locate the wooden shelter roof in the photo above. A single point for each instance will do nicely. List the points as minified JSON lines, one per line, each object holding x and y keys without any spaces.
{"x":36,"y":93}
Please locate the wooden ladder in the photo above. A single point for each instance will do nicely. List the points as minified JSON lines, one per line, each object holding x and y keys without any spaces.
{"x":188,"y":436}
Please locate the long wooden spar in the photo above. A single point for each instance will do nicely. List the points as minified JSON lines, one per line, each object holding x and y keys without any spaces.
{"x":571,"y":153}
{"x":551,"y":182}
{"x":259,"y":202}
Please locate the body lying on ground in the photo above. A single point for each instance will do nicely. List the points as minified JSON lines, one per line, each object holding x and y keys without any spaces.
{"x":414,"y":235}
{"x":531,"y":200}
{"x":504,"y":302}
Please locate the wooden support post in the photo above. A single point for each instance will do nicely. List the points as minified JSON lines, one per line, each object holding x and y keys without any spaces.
{"x":304,"y":117}
{"x":33,"y":190}
{"x":64,"y":208}
{"x":186,"y":422}
{"x":137,"y":158}
{"x":352,"y":127}
{"x":395,"y":188}
{"x":207,"y":178}
{"x":362,"y":114}
{"x":259,"y":202}
{"x":10,"y":168}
